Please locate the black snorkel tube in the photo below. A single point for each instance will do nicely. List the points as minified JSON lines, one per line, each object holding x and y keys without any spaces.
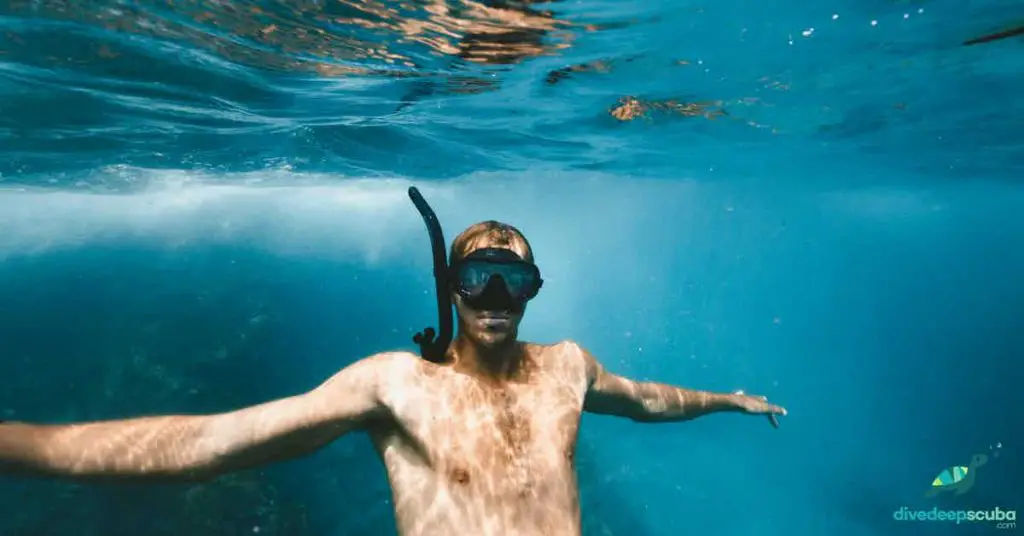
{"x":431,"y":349}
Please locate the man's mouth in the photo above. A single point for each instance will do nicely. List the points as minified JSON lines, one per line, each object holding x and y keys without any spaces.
{"x":495,"y":315}
{"x":495,"y":319}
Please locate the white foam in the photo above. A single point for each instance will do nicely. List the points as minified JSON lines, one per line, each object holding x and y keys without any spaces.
{"x":181,"y":208}
{"x":281,"y":209}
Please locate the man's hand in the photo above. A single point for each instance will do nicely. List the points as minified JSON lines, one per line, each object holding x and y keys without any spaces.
{"x":758,"y":405}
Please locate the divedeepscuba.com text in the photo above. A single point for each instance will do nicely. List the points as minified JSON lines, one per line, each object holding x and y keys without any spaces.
{"x":1003,"y":519}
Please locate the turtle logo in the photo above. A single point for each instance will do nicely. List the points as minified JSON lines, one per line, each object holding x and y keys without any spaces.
{"x":958,"y":479}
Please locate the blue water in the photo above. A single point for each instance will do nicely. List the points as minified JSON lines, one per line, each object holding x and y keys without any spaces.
{"x":202,"y":206}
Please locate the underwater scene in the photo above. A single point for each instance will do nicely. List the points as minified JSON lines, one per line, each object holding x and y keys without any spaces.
{"x":205,"y":206}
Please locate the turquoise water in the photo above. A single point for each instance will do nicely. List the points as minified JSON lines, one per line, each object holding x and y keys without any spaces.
{"x":202,"y":206}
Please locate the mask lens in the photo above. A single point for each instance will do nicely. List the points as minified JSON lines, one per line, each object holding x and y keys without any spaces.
{"x":521,"y":278}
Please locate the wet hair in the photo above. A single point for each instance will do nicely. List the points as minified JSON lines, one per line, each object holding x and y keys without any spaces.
{"x":493,"y":234}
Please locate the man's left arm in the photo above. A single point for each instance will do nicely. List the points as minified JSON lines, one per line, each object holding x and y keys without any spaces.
{"x":610,"y":394}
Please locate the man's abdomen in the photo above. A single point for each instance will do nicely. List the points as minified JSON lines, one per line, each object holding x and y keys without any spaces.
{"x":440,"y":508}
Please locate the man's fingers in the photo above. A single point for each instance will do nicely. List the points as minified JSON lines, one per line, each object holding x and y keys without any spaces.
{"x":772,"y":411}
{"x":764,"y":407}
{"x":760,"y":405}
{"x":772,"y":408}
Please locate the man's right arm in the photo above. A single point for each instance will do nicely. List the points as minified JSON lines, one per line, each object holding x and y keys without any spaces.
{"x":196,"y":447}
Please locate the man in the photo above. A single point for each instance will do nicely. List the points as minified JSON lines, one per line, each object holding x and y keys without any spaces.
{"x":479,"y":444}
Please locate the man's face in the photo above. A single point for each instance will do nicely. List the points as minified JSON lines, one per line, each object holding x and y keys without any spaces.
{"x":492,"y":288}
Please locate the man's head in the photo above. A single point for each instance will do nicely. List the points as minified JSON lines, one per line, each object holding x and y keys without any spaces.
{"x":493,"y":276}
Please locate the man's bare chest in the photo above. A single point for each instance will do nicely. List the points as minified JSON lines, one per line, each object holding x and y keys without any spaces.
{"x":516,"y":432}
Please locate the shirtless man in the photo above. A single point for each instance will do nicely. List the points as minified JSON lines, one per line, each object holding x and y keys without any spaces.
{"x":480,"y":444}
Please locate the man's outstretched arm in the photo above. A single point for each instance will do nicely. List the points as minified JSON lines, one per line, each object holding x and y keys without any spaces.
{"x":196,"y":447}
{"x":610,"y":394}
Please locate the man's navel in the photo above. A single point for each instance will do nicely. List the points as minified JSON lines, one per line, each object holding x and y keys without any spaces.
{"x":459,"y":475}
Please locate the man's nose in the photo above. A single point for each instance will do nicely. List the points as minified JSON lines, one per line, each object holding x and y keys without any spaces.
{"x":496,"y":284}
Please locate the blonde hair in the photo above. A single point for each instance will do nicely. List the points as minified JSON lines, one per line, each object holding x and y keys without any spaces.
{"x":490,"y":234}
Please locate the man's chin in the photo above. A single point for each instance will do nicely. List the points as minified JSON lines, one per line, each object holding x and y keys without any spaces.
{"x":489,"y":339}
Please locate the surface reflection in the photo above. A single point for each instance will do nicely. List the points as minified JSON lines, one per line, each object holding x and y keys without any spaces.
{"x":629,"y":108}
{"x":336,"y":38}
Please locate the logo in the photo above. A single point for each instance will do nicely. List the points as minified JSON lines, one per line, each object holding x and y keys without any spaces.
{"x":1003,"y":519}
{"x":956,"y":481}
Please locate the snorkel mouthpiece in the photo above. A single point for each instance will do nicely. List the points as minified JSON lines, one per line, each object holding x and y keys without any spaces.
{"x":431,"y":349}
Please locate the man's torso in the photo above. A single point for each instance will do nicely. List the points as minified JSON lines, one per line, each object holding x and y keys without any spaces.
{"x":464,"y":457}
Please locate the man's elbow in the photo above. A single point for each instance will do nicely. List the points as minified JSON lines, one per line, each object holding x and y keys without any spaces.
{"x":646,"y":409}
{"x":652,"y":408}
{"x":637,"y":410}
{"x":641,"y":417}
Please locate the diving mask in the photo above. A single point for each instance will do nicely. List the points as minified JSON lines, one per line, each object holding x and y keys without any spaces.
{"x":473,"y":275}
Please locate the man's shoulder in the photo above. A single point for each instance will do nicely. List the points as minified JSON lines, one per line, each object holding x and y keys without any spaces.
{"x":396,"y":360}
{"x":391,"y":364}
{"x":560,"y":345}
{"x":565,"y":346}
{"x":559,"y":355}
{"x":394,"y":357}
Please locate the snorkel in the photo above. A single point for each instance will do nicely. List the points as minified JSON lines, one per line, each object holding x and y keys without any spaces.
{"x":431,"y":349}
